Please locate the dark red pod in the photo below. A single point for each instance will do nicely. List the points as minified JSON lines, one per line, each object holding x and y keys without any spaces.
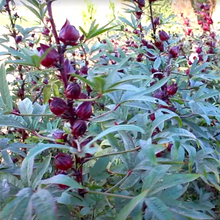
{"x":63,"y":161}
{"x":84,"y":70}
{"x":59,"y":134}
{"x":172,"y":89}
{"x":163,"y":35}
{"x":174,"y":51}
{"x":58,"y":106}
{"x":199,"y":50}
{"x":159,"y":94}
{"x":51,"y":58}
{"x":78,"y":128}
{"x":141,"y":3}
{"x":69,"y":34}
{"x":73,"y":91}
{"x":18,"y":39}
{"x":159,"y":45}
{"x":84,"y":111}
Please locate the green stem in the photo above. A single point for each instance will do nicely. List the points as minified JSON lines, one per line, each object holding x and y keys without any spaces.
{"x":114,"y":153}
{"x":110,"y":194}
{"x":118,"y":183}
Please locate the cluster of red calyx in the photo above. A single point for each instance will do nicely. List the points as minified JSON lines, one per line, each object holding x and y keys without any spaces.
{"x":188,"y":29}
{"x":204,"y":18}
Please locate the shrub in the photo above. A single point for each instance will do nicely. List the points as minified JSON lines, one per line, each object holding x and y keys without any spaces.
{"x":120,"y":122}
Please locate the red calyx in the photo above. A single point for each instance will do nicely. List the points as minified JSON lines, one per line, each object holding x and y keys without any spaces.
{"x":163,"y":36}
{"x":69,"y":34}
{"x":174,"y":51}
{"x":199,"y":50}
{"x":172,"y":89}
{"x":51,"y":58}
{"x":18,"y":39}
{"x":58,"y":106}
{"x":84,"y":111}
{"x":63,"y":161}
{"x":73,"y":91}
{"x":78,"y":128}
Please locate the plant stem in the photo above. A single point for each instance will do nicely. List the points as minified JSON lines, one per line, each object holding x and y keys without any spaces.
{"x":152,"y":19}
{"x":118,"y":183}
{"x":106,"y":113}
{"x":44,"y":138}
{"x":36,"y":115}
{"x":110,"y":194}
{"x":59,"y":48}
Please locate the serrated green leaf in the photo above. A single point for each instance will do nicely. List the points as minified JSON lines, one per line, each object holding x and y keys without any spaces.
{"x":158,"y":208}
{"x":11,"y":179}
{"x":124,"y":213}
{"x":4,"y":90}
{"x":40,"y":171}
{"x":18,"y":208}
{"x":44,"y":205}
{"x":12,"y":121}
{"x":62,"y":179}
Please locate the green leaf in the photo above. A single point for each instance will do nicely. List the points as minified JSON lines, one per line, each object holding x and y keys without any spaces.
{"x":158,"y":208}
{"x":12,"y":121}
{"x":33,"y":10}
{"x":161,"y":119}
{"x":44,"y":205}
{"x":126,"y":21}
{"x":27,"y":171}
{"x":124,"y":213}
{"x":56,"y":92}
{"x":62,"y":179}
{"x":11,"y":179}
{"x":157,"y":63}
{"x":173,"y":180}
{"x":4,"y":90}
{"x":115,"y":129}
{"x":26,"y":107}
{"x":192,"y":214}
{"x":40,"y":171}
{"x":18,"y":208}
{"x":155,"y":175}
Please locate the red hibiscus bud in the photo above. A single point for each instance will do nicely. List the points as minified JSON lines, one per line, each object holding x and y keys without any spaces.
{"x":59,"y":134}
{"x":156,"y":21}
{"x":206,"y":27}
{"x":207,"y":7}
{"x":200,"y":22}
{"x":141,"y":3}
{"x":18,"y":39}
{"x":159,"y":45}
{"x":58,"y":106}
{"x":187,"y":71}
{"x":186,"y":22}
{"x":152,"y":117}
{"x":68,"y":67}
{"x":63,"y":161}
{"x":84,"y":70}
{"x":69,"y":34}
{"x":78,"y":128}
{"x":51,"y":58}
{"x":212,"y":35}
{"x":172,"y":89}
{"x":174,"y":51}
{"x":144,"y":42}
{"x":84,"y":111}
{"x":201,"y":6}
{"x":199,"y":50}
{"x":189,"y":31}
{"x":83,"y":96}
{"x":46,"y":31}
{"x":210,"y":21}
{"x":163,"y":36}
{"x":45,"y":81}
{"x":31,"y":44}
{"x":73,"y":91}
{"x":159,"y":94}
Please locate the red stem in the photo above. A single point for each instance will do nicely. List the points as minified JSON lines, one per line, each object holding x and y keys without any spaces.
{"x":59,"y":48}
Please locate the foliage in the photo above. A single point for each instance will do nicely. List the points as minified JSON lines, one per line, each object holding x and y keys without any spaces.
{"x":113,"y":122}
